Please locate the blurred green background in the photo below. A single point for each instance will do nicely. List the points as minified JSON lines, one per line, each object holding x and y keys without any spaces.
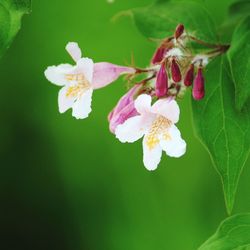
{"x":70,"y":185}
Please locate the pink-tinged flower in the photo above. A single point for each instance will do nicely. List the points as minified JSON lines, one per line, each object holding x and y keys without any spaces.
{"x":198,"y":88}
{"x":189,"y":77}
{"x":79,"y":81}
{"x":175,"y":71}
{"x":161,"y":86}
{"x":156,"y":124}
{"x":106,"y":73}
{"x":124,"y":109}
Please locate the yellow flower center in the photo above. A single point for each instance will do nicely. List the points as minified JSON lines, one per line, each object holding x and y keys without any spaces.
{"x":158,"y":127}
{"x":81,"y":86}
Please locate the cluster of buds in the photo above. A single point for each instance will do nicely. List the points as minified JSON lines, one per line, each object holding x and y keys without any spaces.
{"x":174,"y":68}
{"x":178,"y":65}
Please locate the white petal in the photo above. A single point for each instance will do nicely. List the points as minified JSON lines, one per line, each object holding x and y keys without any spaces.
{"x":174,"y":52}
{"x":131,"y":130}
{"x":167,"y":108}
{"x":56,"y":74}
{"x":74,"y":51}
{"x":86,"y":66}
{"x":200,"y":58}
{"x":143,"y":103}
{"x":65,"y":102}
{"x":151,"y":156}
{"x":82,"y":106}
{"x":172,"y":142}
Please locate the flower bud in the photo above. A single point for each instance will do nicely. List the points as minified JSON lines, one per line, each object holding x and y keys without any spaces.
{"x":106,"y":73}
{"x":124,"y":109}
{"x":161,"y":86}
{"x":175,"y":70}
{"x":179,"y":31}
{"x":198,"y":89}
{"x":159,"y":55}
{"x":189,"y":78}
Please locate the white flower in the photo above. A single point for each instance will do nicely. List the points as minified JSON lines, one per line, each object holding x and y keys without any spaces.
{"x":175,"y":52}
{"x":200,"y":59}
{"x":80,"y":80}
{"x":77,"y":89}
{"x":156,"y":124}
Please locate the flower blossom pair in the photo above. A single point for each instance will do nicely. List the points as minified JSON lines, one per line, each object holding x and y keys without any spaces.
{"x":133,"y":117}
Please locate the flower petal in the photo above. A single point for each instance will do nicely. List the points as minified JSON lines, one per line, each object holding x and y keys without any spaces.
{"x":106,"y":73}
{"x":74,"y":51}
{"x":167,"y":108}
{"x":175,"y":52}
{"x":56,"y":74}
{"x":116,"y":119}
{"x":86,"y":66}
{"x":82,"y":106}
{"x":65,"y":102}
{"x":131,"y":130}
{"x":125,"y":100}
{"x":124,"y":109}
{"x":143,"y":103}
{"x":151,"y":156}
{"x":172,"y":143}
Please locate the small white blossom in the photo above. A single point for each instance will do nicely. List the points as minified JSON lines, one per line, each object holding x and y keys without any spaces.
{"x":200,"y":59}
{"x":79,"y":81}
{"x":175,"y":52}
{"x":76,"y":82}
{"x":156,"y":125}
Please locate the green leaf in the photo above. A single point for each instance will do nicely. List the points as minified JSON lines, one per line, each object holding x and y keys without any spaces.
{"x":161,"y":1}
{"x":239,"y":58}
{"x":223,"y":129}
{"x":239,"y":8}
{"x":232,"y":234}
{"x":11,"y":12}
{"x":160,"y":20}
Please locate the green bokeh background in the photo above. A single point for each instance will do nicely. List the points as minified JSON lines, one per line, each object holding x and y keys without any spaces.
{"x":70,"y":185}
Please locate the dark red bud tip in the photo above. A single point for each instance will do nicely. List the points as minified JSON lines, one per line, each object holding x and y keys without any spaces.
{"x":199,"y":89}
{"x":179,"y":31}
{"x":161,"y":86}
{"x":175,"y":70}
{"x":159,"y":55}
{"x":189,"y":78}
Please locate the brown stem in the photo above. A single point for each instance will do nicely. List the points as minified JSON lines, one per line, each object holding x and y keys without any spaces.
{"x":143,"y":82}
{"x":141,"y":71}
{"x":223,"y":48}
{"x":210,"y":45}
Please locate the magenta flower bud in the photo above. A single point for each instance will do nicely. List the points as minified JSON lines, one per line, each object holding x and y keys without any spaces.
{"x":175,"y":70}
{"x":124,"y":109}
{"x":179,"y":31}
{"x":159,"y":55}
{"x":189,"y":78}
{"x":161,"y":86}
{"x":199,"y":89}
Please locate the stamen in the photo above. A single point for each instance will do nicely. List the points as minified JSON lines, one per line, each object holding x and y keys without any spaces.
{"x":158,"y":127}
{"x":81,"y":86}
